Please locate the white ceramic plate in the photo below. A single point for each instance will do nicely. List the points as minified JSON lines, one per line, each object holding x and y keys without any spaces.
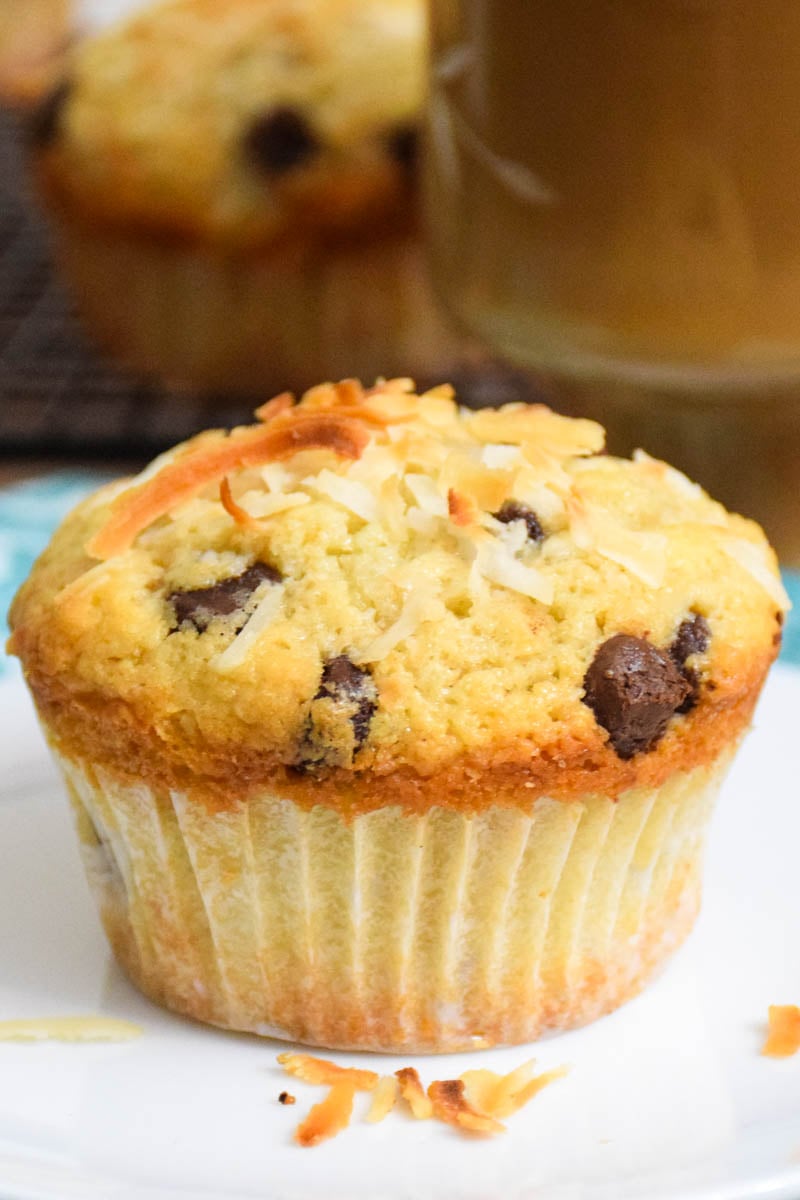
{"x":668,"y":1097}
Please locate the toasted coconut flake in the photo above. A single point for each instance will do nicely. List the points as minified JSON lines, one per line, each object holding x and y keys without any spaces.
{"x":387,"y":409}
{"x":413,"y":1093}
{"x":263,"y":616}
{"x":462,"y":509}
{"x":643,"y":554}
{"x":420,"y":606}
{"x":487,"y":489}
{"x":239,"y":514}
{"x":498,"y":457}
{"x":215,"y":457}
{"x":754,"y":557}
{"x":261,"y":506}
{"x":384,"y":1099}
{"x":422,"y":522}
{"x":426,"y":494}
{"x":68,"y":1029}
{"x":276,"y":477}
{"x":681,"y":484}
{"x":513,"y":534}
{"x":450,"y":1105}
{"x":349,"y":493}
{"x":274,"y":407}
{"x":389,"y":386}
{"x":319,"y":1070}
{"x":480,"y":1089}
{"x":503,"y":1095}
{"x":442,"y":391}
{"x":383,"y":405}
{"x":783,"y":1036}
{"x":519,"y":424}
{"x":333,"y":395}
{"x":437,"y":407}
{"x":329,"y":1117}
{"x":498,"y":565}
{"x":376,"y":465}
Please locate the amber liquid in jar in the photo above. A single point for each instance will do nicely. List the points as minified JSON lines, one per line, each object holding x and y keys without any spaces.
{"x":613,"y":195}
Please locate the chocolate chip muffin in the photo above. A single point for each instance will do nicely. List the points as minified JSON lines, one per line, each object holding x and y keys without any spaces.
{"x":231,"y":183}
{"x":35,"y":36}
{"x":390,"y":725}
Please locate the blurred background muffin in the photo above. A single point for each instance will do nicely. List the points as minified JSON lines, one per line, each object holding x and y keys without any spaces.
{"x":232,"y":188}
{"x":34,"y":37}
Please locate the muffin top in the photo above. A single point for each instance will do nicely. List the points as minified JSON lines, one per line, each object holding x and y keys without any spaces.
{"x":372,"y":597}
{"x":34,"y":40}
{"x":240,"y":121}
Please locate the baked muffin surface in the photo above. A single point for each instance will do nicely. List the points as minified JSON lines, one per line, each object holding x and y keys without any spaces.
{"x":243,"y":121}
{"x":385,"y":599}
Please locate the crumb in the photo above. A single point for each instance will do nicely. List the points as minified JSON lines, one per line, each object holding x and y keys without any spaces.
{"x":783,"y":1033}
{"x":287,"y":1098}
{"x":413,"y":1093}
{"x":451,"y":1105}
{"x":329,"y":1117}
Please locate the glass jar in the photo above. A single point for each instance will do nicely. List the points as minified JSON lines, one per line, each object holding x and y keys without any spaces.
{"x":613,"y":199}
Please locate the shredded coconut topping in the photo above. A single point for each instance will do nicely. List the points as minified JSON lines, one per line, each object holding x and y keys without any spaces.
{"x":418,"y":467}
{"x":68,"y":1029}
{"x":419,"y":607}
{"x":754,"y":558}
{"x":264,"y":614}
{"x":643,"y":554}
{"x":348,"y":492}
{"x":497,"y":563}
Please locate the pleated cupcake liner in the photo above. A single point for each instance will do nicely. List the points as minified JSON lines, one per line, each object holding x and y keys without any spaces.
{"x":259,"y":323}
{"x":392,"y":931}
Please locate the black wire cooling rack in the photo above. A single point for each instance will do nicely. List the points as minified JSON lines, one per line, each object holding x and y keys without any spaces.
{"x":59,"y":397}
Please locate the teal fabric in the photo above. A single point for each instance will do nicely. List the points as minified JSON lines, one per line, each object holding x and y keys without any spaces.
{"x":30,"y":511}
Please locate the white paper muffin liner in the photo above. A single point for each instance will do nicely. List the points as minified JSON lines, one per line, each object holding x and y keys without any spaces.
{"x":391,"y":931}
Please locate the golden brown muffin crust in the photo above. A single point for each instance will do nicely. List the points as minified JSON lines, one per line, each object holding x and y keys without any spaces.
{"x":242,"y":123}
{"x":303,"y":601}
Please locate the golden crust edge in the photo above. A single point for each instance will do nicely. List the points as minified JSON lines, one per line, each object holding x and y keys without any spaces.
{"x":107,"y":733}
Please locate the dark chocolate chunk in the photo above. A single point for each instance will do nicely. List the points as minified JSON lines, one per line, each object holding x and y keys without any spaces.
{"x":281,"y":139}
{"x":199,"y":606}
{"x":339,"y":718}
{"x":44,"y":124}
{"x":692,"y":637}
{"x":403,"y":146}
{"x":633,"y":690}
{"x":515,"y":510}
{"x":342,"y":680}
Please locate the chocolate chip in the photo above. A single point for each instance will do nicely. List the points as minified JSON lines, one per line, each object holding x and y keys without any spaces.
{"x":515,"y":510}
{"x":281,"y":139}
{"x":199,"y":606}
{"x":403,"y":146}
{"x":44,"y":124}
{"x":633,"y":690}
{"x":343,"y":681}
{"x":340,"y":716}
{"x":693,"y":637}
